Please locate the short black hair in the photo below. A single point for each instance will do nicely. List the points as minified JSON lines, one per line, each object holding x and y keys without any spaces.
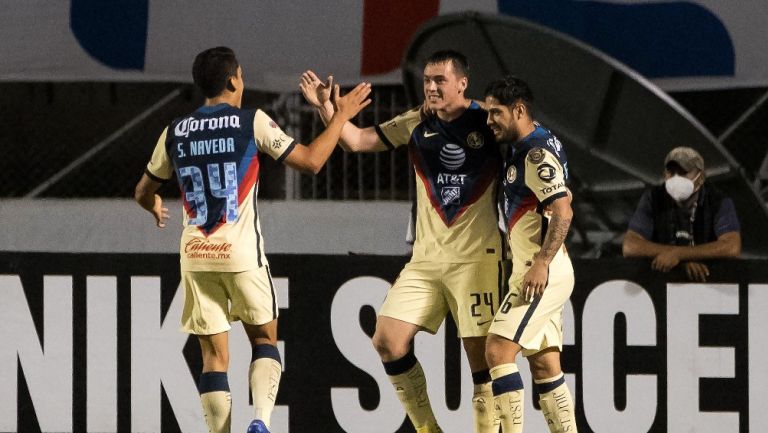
{"x":458,"y":60}
{"x":510,"y":90}
{"x":213,"y":68}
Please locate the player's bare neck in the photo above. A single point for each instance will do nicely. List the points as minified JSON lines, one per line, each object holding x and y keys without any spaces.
{"x":224,"y":98}
{"x":527,"y":129}
{"x":453,"y":112}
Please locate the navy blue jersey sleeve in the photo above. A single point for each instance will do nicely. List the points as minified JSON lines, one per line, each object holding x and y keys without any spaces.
{"x":726,"y":219}
{"x":642,"y":220}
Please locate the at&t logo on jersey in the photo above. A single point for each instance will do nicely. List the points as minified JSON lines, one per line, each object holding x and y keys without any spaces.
{"x":452,"y":156}
{"x":191,"y":124}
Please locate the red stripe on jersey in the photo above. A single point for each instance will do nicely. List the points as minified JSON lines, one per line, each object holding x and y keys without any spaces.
{"x":250,"y":178}
{"x":185,"y":203}
{"x":383,"y":46}
{"x":427,"y":185}
{"x":527,"y":204}
{"x":480,"y":188}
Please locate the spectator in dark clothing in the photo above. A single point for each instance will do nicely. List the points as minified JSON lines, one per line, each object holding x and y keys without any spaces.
{"x":684,"y":220}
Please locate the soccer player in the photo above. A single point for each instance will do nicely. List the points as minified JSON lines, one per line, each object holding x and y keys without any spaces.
{"x":214,"y":153}
{"x":537,"y":207}
{"x":457,"y":263}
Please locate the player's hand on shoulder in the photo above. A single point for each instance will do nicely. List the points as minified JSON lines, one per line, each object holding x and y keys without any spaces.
{"x":314,"y":90}
{"x":349,"y":105}
{"x":159,"y":212}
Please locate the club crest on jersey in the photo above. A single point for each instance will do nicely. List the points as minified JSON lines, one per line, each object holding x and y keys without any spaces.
{"x":536,"y":155}
{"x":278,"y":142}
{"x":475,"y":140}
{"x":511,"y":174}
{"x":452,"y":156}
{"x":450,"y":195}
{"x":546,"y":172}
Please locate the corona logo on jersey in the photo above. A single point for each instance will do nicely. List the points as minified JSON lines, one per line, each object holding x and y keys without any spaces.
{"x":191,"y":124}
{"x":452,"y":156}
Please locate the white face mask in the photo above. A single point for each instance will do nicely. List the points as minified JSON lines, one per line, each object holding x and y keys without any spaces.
{"x":679,"y":188}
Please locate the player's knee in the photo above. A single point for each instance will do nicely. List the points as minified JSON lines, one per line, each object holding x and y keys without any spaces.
{"x":497,"y":350}
{"x":387,"y":348}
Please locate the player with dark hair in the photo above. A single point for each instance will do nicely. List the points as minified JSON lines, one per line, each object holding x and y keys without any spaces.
{"x":537,"y":207}
{"x":457,"y":262}
{"x":214,"y":153}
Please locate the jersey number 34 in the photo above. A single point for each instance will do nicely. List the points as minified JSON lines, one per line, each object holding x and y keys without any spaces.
{"x":196,"y":197}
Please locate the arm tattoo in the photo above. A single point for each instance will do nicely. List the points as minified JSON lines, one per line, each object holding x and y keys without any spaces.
{"x":558,"y":230}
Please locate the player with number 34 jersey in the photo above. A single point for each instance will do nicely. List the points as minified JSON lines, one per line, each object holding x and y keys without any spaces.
{"x":214,"y":152}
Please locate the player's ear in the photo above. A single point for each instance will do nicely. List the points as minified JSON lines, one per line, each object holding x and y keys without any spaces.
{"x":463,"y":84}
{"x":230,"y":86}
{"x":522,"y":110}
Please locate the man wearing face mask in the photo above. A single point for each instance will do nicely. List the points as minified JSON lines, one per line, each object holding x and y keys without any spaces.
{"x":684,"y":220}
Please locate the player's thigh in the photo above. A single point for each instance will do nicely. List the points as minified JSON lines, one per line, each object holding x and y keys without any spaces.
{"x":252,"y":294}
{"x":475,"y":291}
{"x":417,"y":296}
{"x":537,"y":324}
{"x":206,"y":307}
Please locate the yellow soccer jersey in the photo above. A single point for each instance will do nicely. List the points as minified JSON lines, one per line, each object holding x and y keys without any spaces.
{"x":457,"y":165}
{"x":214,"y":153}
{"x":536,"y":171}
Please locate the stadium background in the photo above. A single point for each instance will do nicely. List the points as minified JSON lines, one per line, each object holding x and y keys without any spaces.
{"x":83,"y":143}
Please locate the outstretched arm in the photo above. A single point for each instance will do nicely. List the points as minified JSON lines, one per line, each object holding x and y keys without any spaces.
{"x":353,"y":138}
{"x":312,"y":157}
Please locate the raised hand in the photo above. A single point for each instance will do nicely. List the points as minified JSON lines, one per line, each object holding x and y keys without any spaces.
{"x":315,"y":91}
{"x":349,"y":105}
